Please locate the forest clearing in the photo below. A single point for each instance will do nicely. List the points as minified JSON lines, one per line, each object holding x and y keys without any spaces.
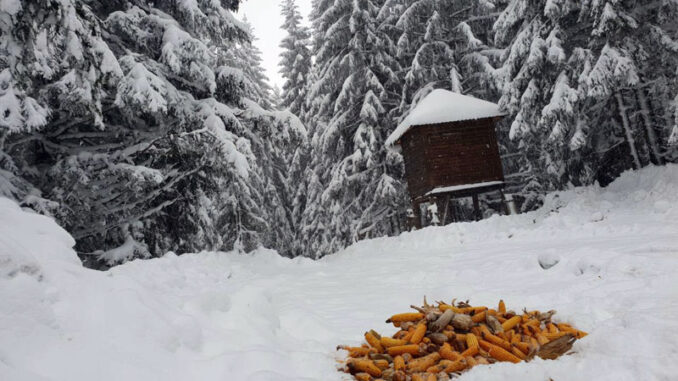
{"x":604,"y":258}
{"x":245,"y":190}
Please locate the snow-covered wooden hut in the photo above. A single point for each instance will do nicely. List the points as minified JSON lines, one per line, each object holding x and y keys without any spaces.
{"x":450,"y":149}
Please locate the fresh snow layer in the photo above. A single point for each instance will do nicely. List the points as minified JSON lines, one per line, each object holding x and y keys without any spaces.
{"x":441,"y":106}
{"x":454,"y":188}
{"x":613,"y":254}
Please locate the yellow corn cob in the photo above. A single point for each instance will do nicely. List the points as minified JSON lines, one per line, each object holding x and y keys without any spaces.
{"x":407,"y":316}
{"x":510,"y":323}
{"x":373,"y":341}
{"x":418,"y":334}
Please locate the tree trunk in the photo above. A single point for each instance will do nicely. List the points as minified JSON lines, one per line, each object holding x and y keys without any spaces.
{"x":649,"y":129}
{"x":3,"y":135}
{"x":627,"y":130}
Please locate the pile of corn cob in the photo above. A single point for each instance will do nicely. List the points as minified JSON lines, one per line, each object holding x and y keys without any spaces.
{"x":437,"y":342}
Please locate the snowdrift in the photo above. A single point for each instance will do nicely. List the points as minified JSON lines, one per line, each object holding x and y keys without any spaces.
{"x":605,"y":258}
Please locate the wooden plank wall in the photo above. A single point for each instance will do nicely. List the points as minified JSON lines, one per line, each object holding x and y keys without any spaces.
{"x":449,"y":154}
{"x":413,"y":145}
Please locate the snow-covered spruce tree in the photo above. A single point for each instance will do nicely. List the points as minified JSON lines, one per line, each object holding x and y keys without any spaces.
{"x":246,"y":57}
{"x":184,"y":165}
{"x":276,"y":97}
{"x":537,"y":81}
{"x":306,"y":210}
{"x":589,"y":86}
{"x":354,"y":190}
{"x":275,"y":138}
{"x":145,"y":144}
{"x":296,"y":68}
{"x":441,"y":45}
{"x":295,"y":59}
{"x":640,"y":39}
{"x":53,"y":67}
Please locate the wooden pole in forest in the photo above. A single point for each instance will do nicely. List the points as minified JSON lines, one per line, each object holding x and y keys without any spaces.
{"x":627,"y":130}
{"x":649,"y":128}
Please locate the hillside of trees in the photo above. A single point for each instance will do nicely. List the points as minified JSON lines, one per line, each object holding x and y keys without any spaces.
{"x":145,"y":127}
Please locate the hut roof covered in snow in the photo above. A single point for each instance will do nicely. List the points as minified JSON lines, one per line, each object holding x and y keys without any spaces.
{"x":443,"y":106}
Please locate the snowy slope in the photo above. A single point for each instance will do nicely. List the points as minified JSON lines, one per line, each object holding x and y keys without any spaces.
{"x":223,"y":316}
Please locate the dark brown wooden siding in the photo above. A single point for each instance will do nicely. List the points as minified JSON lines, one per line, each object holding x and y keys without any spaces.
{"x":415,"y":163}
{"x":447,"y":154}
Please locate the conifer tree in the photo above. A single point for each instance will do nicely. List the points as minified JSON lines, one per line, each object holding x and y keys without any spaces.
{"x":295,"y":59}
{"x":354,"y":190}
{"x":640,"y":38}
{"x":53,"y":69}
{"x":575,"y":81}
{"x":245,"y":56}
{"x":147,"y":141}
{"x":440,"y":46}
{"x":537,"y":92}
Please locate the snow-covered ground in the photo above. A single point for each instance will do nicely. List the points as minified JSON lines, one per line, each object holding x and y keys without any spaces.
{"x":224,"y":316}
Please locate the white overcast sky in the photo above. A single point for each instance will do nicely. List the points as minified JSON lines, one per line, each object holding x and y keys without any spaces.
{"x":264,"y":15}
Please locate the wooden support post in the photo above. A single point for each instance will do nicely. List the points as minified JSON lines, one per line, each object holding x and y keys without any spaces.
{"x":435,"y":216}
{"x":445,"y":209}
{"x":504,"y":203}
{"x":476,"y":207}
{"x":416,"y":221}
{"x":627,"y":129}
{"x":453,"y":211}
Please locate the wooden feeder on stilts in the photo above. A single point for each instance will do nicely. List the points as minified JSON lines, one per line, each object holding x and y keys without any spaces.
{"x":450,"y":149}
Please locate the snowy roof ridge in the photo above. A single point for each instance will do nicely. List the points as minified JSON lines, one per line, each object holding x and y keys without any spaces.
{"x":441,"y":106}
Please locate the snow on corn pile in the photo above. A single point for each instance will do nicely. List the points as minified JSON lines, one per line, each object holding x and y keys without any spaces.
{"x":613,"y":254}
